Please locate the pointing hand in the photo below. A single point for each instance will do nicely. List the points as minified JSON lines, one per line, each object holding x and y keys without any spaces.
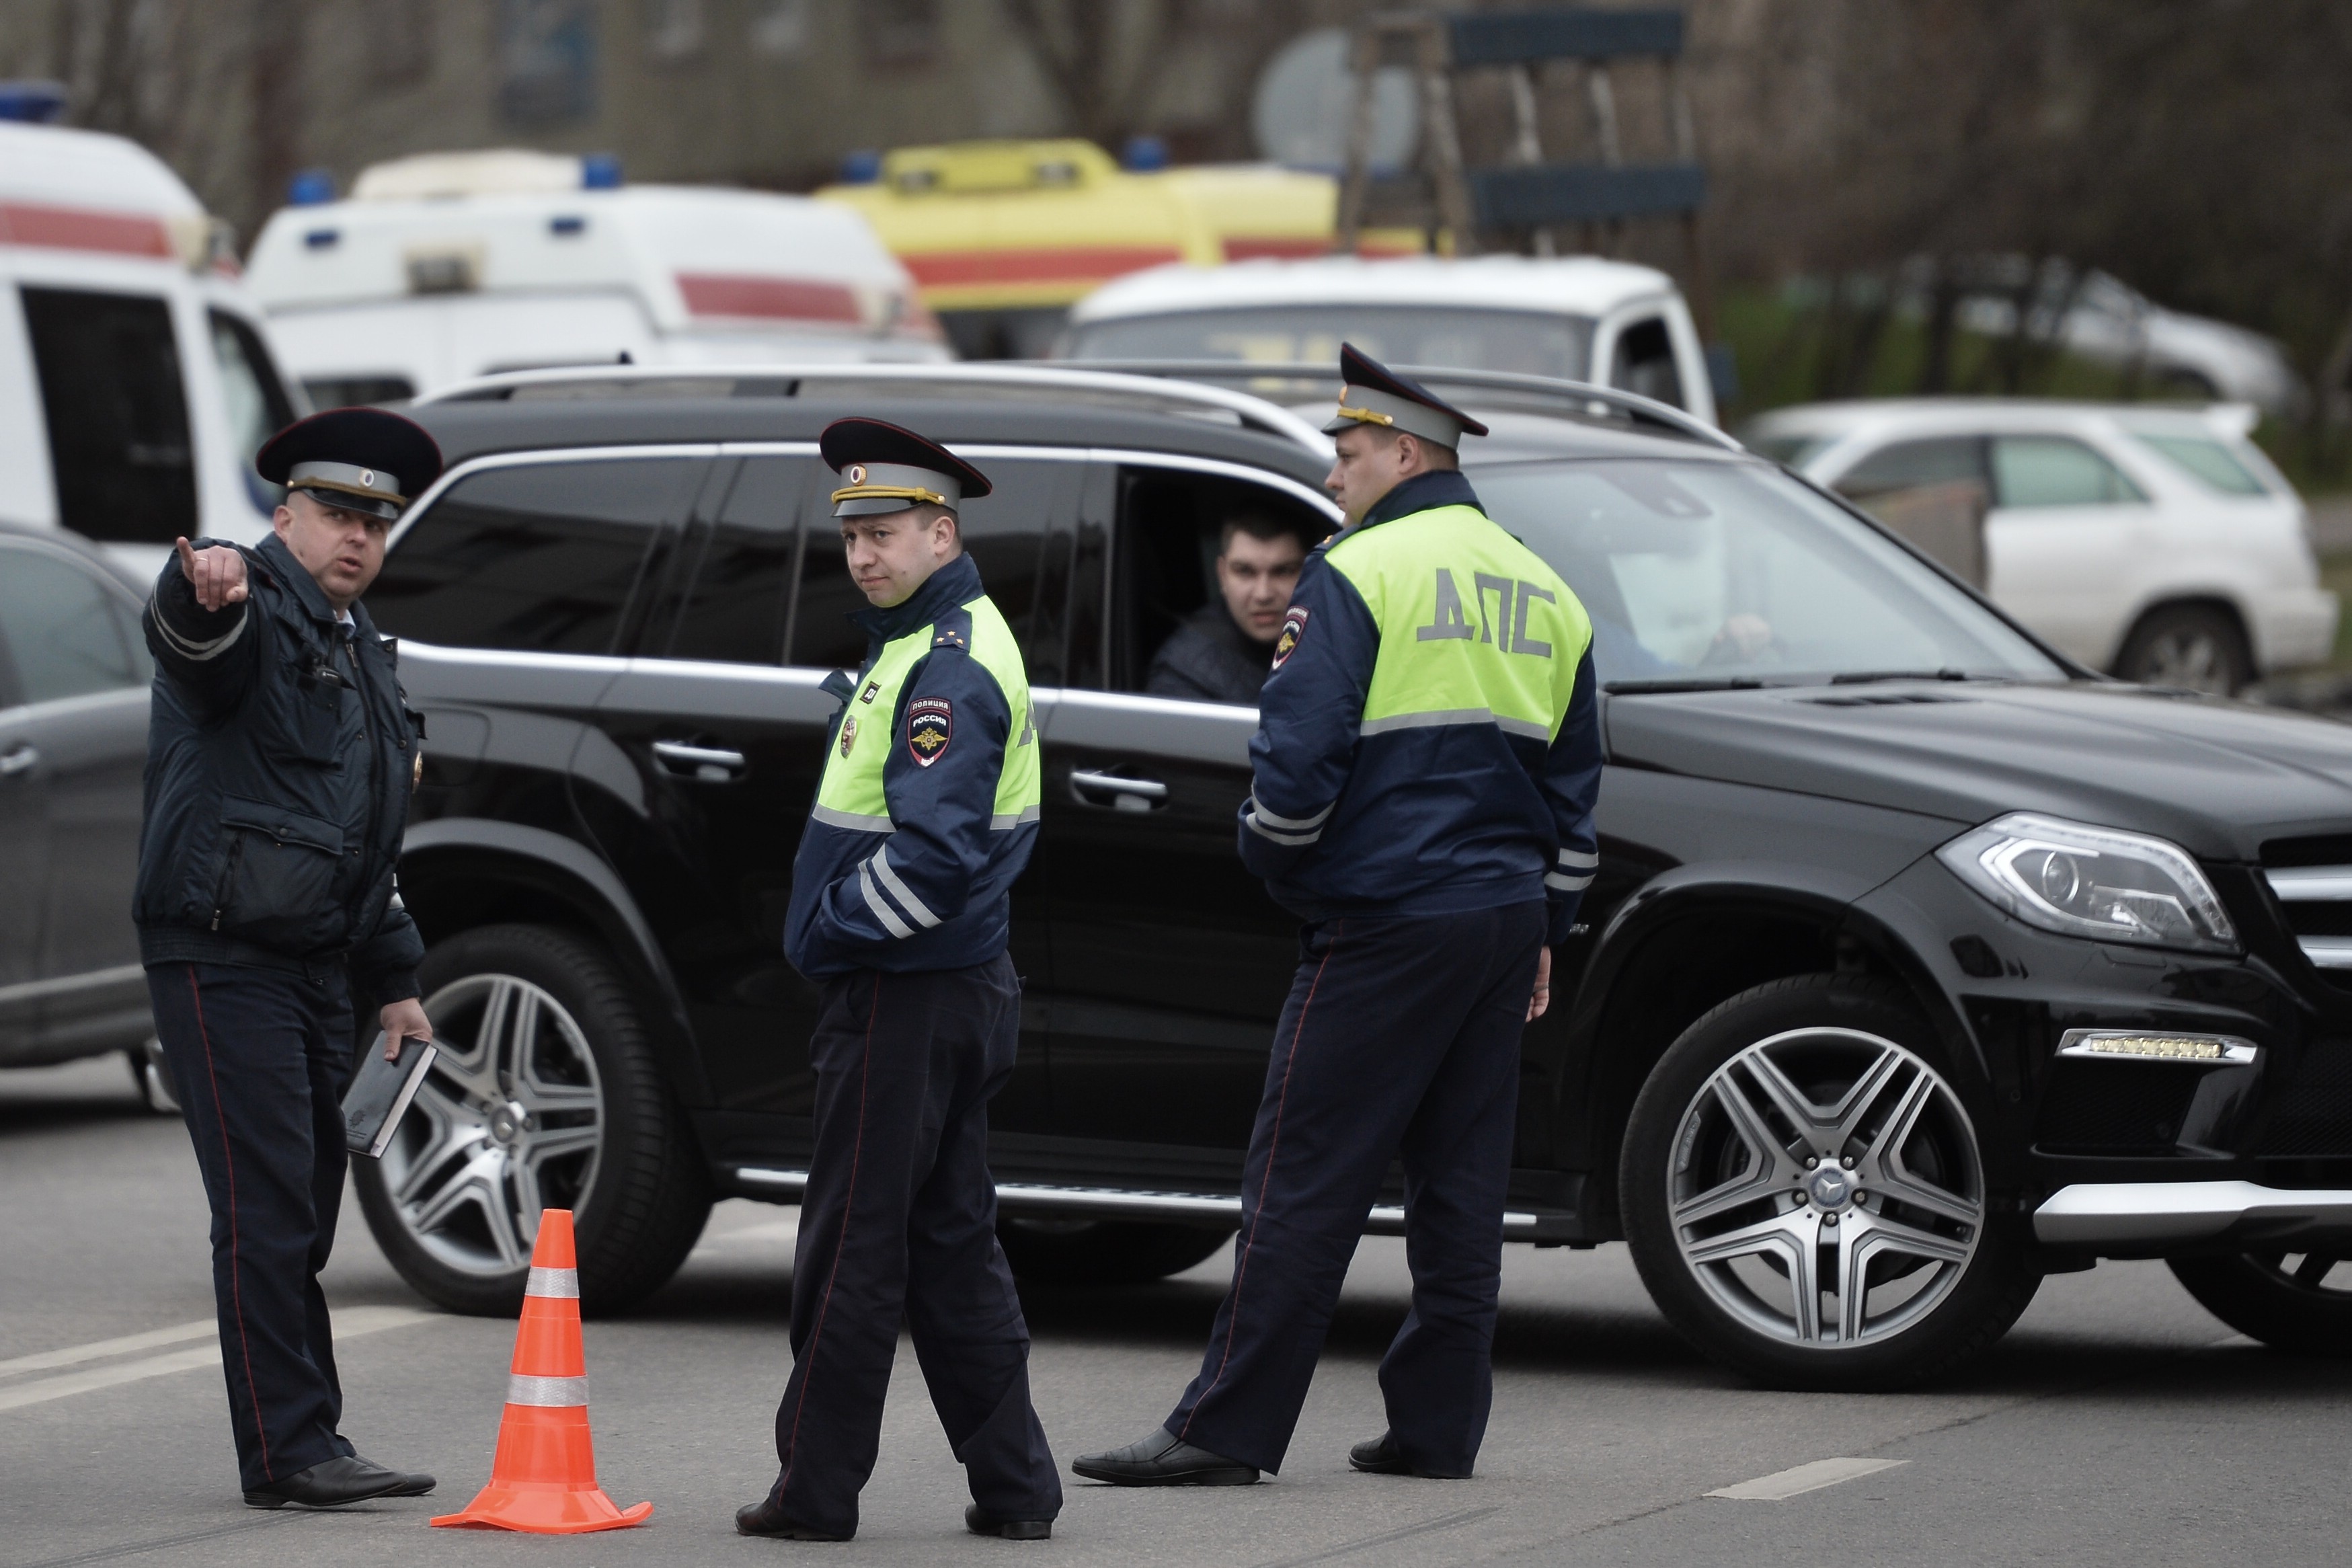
{"x":216,"y":572}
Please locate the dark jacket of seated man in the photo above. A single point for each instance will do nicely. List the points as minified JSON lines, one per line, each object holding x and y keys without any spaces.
{"x":1222,"y":651}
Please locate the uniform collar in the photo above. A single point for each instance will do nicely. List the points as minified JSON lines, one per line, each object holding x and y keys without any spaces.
{"x":1422,"y":492}
{"x":951,"y":586}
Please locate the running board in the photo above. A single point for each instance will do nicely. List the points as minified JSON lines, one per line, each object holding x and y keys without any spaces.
{"x":1190,"y":1208}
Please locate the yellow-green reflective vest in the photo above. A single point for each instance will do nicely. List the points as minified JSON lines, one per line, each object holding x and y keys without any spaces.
{"x":1471,"y":625}
{"x":851,"y":794}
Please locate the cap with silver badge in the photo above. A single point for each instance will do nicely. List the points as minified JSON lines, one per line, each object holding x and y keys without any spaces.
{"x":888,"y":469}
{"x":1371,"y":393}
{"x":361,"y":459}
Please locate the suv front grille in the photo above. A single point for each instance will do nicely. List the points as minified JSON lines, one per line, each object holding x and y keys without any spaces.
{"x":2317,"y":900}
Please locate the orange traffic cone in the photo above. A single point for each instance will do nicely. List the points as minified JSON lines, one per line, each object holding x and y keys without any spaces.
{"x":543,"y":1477}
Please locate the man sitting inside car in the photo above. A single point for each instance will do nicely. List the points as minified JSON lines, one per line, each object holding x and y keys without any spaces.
{"x":1222,"y":650}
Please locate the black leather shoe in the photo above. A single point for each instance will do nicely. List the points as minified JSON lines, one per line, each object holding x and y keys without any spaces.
{"x":413,"y":1483}
{"x":1382,"y":1457}
{"x":980,"y":1521}
{"x":768,"y":1518}
{"x":1162,"y":1460}
{"x":330,"y":1483}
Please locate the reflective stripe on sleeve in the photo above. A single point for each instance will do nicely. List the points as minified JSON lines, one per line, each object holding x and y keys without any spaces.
{"x":1292,"y":823}
{"x":900,"y":891}
{"x":875,"y":902}
{"x":189,"y":649}
{"x":1257,"y":821}
{"x":560,"y":1284}
{"x":1578,"y":859}
{"x":557,"y":1393}
{"x":1527,"y":727}
{"x":1004,"y":821}
{"x":853,"y":821}
{"x":1562,"y":882}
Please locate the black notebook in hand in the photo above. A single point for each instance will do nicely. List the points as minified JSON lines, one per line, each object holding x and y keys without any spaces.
{"x":381,"y":1092}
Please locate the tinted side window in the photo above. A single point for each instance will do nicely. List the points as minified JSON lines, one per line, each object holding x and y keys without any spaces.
{"x":2051,"y":471}
{"x":1644,"y":361}
{"x":62,"y":629}
{"x":739,"y":573}
{"x":117,"y":413}
{"x":540,"y":556}
{"x":353,"y":391}
{"x":1913,"y":464}
{"x":1002,"y":531}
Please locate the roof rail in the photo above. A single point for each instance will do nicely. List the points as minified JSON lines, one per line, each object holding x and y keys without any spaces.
{"x":1056,"y":382}
{"x":1519,"y":393}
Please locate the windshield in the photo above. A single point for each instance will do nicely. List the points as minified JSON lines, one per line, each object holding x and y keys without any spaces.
{"x":1723,"y":572}
{"x":1527,"y":341}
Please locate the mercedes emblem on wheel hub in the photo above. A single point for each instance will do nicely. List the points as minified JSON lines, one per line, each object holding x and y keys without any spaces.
{"x":1829,"y":1189}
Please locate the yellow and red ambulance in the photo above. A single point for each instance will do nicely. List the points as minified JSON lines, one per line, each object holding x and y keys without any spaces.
{"x":1004,"y":236}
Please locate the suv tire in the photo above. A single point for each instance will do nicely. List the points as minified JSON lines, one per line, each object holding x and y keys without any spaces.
{"x":547,"y":1094}
{"x":1047,"y":1251}
{"x":1798,"y":1124}
{"x":2195,"y":646}
{"x":2258,"y":1295}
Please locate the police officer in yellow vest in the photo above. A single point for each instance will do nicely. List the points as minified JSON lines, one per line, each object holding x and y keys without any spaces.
{"x":1424,"y":771}
{"x":927,"y":812}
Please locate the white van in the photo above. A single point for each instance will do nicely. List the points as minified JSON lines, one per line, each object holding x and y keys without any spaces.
{"x":136,"y":380}
{"x":444,"y":267}
{"x":1575,"y":318}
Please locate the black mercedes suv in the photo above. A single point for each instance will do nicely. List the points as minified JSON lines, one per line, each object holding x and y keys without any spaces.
{"x":1921,"y":963}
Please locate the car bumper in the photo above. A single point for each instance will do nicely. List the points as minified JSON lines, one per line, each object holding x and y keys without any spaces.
{"x":2157,"y":1216}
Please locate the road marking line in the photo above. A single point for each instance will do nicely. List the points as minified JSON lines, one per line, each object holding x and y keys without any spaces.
{"x":1782,"y":1485}
{"x":349,"y":1325}
{"x":97,"y":1350}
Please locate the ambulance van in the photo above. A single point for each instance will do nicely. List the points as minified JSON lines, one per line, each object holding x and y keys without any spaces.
{"x":444,"y":267}
{"x":1004,"y":237}
{"x":136,"y":376}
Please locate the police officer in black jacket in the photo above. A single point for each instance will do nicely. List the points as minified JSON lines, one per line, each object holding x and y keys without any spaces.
{"x":280,"y":756}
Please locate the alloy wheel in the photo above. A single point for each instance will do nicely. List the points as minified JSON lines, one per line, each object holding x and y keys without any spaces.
{"x":509,"y":1120}
{"x":2191,"y":659}
{"x":1826,"y":1189}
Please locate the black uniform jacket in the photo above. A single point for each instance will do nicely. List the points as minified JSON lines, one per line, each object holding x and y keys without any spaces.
{"x":279,"y":758}
{"x":1208,"y":658}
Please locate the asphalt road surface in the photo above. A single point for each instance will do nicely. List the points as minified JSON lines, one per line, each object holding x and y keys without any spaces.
{"x":2119,"y":1424}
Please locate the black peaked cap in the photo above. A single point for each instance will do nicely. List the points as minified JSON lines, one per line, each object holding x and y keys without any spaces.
{"x":369,"y":438}
{"x":1357,"y":368}
{"x":860,"y":440}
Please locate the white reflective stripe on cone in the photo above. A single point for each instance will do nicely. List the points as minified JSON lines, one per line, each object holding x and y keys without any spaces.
{"x":560,"y":1391}
{"x":558,"y":1283}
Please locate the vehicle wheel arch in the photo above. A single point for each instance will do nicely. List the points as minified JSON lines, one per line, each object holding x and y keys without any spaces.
{"x":459,"y":873}
{"x":2201,"y":598}
{"x":1663,"y":966}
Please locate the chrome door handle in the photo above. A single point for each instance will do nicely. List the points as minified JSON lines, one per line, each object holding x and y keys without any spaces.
{"x":1126,"y":795}
{"x":712,"y":764}
{"x":20,"y":759}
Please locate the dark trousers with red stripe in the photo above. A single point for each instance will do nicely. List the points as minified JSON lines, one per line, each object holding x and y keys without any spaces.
{"x":259,"y":1058}
{"x":900,"y":1221}
{"x":1400,"y":1041}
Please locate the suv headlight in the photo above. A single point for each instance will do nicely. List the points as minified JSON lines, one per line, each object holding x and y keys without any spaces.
{"x":2091,"y":881}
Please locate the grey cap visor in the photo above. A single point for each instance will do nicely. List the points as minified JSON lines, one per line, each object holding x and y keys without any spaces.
{"x":1401,"y":414}
{"x":350,"y":486}
{"x":869,"y":489}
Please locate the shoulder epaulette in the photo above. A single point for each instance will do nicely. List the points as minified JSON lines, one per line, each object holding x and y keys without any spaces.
{"x":950,"y":639}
